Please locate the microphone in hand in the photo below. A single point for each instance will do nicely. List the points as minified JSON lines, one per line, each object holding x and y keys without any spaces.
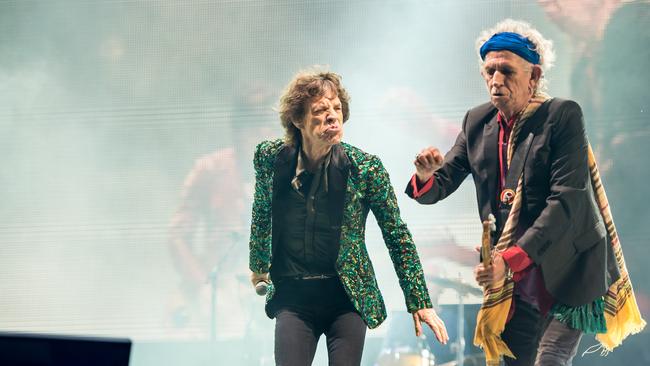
{"x":261,"y":288}
{"x":261,"y":282}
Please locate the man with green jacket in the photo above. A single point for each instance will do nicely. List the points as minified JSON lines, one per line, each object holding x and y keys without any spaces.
{"x":312,"y":197}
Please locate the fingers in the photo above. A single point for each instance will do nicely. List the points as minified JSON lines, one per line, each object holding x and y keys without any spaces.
{"x":420,"y":158}
{"x":428,"y":158}
{"x":437,"y":157}
{"x":434,"y":322}
{"x":418,"y":325}
{"x":259,"y":277}
{"x":483,"y":275}
{"x":427,"y":162}
{"x":438,"y":326}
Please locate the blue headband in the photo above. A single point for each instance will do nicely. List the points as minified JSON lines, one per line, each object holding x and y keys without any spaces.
{"x":513,"y":42}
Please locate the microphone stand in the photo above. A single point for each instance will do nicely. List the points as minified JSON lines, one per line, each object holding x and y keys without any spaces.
{"x":460,"y":351}
{"x":212,"y":279}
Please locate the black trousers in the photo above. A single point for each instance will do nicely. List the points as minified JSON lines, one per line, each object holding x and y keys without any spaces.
{"x":537,"y":340}
{"x":306,"y":309}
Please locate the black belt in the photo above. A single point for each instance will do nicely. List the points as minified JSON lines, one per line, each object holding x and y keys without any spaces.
{"x":309,"y":277}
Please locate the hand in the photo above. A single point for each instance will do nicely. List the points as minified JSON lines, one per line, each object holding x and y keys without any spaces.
{"x":259,"y":277}
{"x":436,"y":324}
{"x":427,"y":162}
{"x":494,"y":273}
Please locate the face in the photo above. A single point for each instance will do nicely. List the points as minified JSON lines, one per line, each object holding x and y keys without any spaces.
{"x":510,"y":80}
{"x":323,"y":122}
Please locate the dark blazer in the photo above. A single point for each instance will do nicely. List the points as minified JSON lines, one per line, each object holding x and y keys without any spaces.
{"x":358,"y":183}
{"x":561,"y":228}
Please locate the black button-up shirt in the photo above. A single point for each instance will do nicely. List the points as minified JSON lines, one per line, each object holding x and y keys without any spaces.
{"x":308,"y":245}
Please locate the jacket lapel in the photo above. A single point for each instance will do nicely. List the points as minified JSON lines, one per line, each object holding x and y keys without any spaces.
{"x":338,"y":173}
{"x":532,"y":123}
{"x":523,"y":144}
{"x":283,"y":168}
{"x":490,"y":162}
{"x":522,"y":147}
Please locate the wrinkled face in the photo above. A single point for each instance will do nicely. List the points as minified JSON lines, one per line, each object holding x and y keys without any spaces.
{"x":510,"y":80}
{"x":323,"y":122}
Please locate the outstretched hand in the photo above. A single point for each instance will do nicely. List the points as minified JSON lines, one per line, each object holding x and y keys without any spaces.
{"x":436,"y":324}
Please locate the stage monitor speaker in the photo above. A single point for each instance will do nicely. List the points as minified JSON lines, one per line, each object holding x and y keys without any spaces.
{"x":25,"y":349}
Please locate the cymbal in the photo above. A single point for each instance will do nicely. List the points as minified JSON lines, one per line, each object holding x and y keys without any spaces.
{"x":449,"y":250}
{"x":460,"y":287}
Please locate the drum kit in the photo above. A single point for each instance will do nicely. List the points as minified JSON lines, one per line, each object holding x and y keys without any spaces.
{"x":401,"y":348}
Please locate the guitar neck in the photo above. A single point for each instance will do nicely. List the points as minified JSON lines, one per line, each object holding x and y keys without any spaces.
{"x":486,"y":250}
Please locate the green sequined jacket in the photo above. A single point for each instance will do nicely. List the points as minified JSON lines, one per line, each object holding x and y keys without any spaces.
{"x":358,"y":183}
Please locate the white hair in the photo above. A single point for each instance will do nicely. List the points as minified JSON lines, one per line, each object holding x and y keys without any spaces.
{"x":543,"y":46}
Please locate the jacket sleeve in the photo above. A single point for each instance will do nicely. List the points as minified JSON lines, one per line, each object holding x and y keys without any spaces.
{"x":568,"y":200}
{"x":449,"y":177}
{"x":260,"y":239}
{"x":397,"y":238}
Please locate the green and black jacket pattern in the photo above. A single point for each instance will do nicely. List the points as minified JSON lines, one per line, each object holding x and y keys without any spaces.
{"x":359,"y":181}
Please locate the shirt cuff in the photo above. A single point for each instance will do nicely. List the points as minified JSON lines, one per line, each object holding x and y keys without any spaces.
{"x":518,"y":261}
{"x":419,"y":189}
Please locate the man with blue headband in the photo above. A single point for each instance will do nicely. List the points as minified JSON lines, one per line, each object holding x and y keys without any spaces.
{"x":556,"y":269}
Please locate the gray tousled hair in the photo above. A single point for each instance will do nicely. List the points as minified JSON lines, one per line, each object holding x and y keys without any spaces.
{"x":543,"y":46}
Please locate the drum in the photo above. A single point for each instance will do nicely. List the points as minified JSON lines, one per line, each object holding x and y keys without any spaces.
{"x":405,"y":356}
{"x":402,"y":348}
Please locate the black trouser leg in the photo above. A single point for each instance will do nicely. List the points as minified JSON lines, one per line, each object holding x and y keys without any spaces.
{"x":522,"y":334}
{"x":345,"y":339}
{"x":558,"y":345}
{"x":295,"y":340}
{"x":305,"y":309}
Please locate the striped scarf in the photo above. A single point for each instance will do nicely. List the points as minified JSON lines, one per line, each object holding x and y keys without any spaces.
{"x":621,"y":312}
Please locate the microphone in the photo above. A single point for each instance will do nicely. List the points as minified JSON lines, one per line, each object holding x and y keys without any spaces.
{"x":261,"y":288}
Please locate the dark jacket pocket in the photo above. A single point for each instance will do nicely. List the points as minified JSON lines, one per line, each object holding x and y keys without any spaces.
{"x":589,"y":238}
